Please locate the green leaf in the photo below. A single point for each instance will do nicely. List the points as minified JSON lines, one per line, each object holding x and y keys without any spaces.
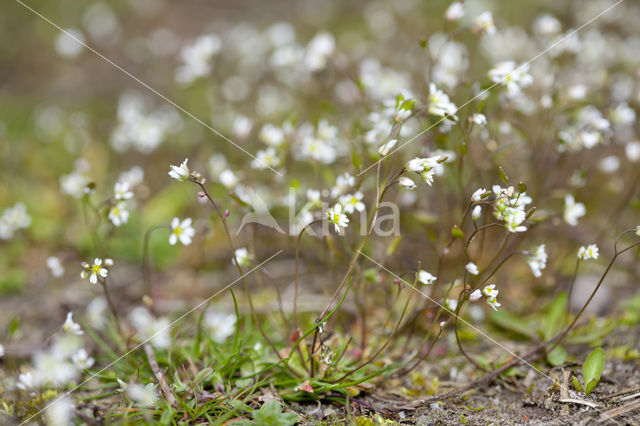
{"x":510,"y":322}
{"x":576,"y":384}
{"x":557,"y":356}
{"x":270,"y":414}
{"x":503,"y":176}
{"x":592,"y":369}
{"x":555,"y":316}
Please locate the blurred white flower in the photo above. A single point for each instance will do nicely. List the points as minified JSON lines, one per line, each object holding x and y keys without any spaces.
{"x":439,"y":103}
{"x":337,"y":218}
{"x":72,"y":327}
{"x":1,"y":351}
{"x":182,"y":231}
{"x":609,"y":164}
{"x":406,"y":182}
{"x":478,"y":119}
{"x":266,"y":158}
{"x":13,"y":219}
{"x":180,"y":173}
{"x":476,"y":295}
{"x":220,"y":326}
{"x":55,"y":266}
{"x":228,"y":179}
{"x":95,"y":313}
{"x":538,"y":260}
{"x":638,"y":230}
{"x":387,"y":147}
{"x":27,"y":381}
{"x":82,"y":360}
{"x":319,"y":49}
{"x":343,"y":183}
{"x":452,"y":304}
{"x":197,"y":57}
{"x":52,"y":369}
{"x":118,"y":214}
{"x":454,"y":12}
{"x":60,"y":412}
{"x":476,"y":212}
{"x":243,"y":256}
{"x":156,"y":330}
{"x":425,"y":277}
{"x":145,"y":396}
{"x":472,"y":268}
{"x":632,"y":150}
{"x":271,"y":135}
{"x":242,"y":126}
{"x":572,"y":210}
{"x":69,"y":43}
{"x":75,"y":184}
{"x":122,"y":191}
{"x":425,"y":167}
{"x":623,"y":114}
{"x":589,"y":252}
{"x":514,"y":77}
{"x":547,"y":25}
{"x":479,"y":195}
{"x":483,"y":23}
{"x":94,"y":271}
{"x":352,"y":202}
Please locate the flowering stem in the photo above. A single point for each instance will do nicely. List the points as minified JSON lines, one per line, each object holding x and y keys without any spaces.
{"x":572,"y":283}
{"x":295,"y":288}
{"x":146,"y":264}
{"x":239,"y":268}
{"x":112,"y":306}
{"x":616,"y":253}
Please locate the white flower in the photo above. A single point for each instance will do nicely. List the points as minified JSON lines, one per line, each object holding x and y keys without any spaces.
{"x":589,"y":252}
{"x":439,"y":103}
{"x":265,"y":158}
{"x":483,"y":23}
{"x":319,"y":50}
{"x":60,"y":412}
{"x":476,"y":212}
{"x":352,"y":202}
{"x":119,"y":214}
{"x":132,"y":177}
{"x":72,"y":327}
{"x":454,"y":12}
{"x":338,"y":218}
{"x":573,"y":210}
{"x":55,"y":266}
{"x":313,"y":195}
{"x":513,"y":219}
{"x":95,"y":313}
{"x":406,"y":182}
{"x":243,"y":256}
{"x":538,"y":260}
{"x":623,"y":114}
{"x":638,"y":230}
{"x":93,"y":271}
{"x":74,"y":184}
{"x":452,"y":304}
{"x":472,"y":268}
{"x":475,"y":296}
{"x":387,"y":147}
{"x":478,"y":119}
{"x":27,"y":381}
{"x":425,"y":166}
{"x":1,"y":351}
{"x":426,"y":278}
{"x":632,"y":149}
{"x":182,"y":231}
{"x":181,"y":172}
{"x":13,"y":219}
{"x":220,"y":325}
{"x":150,"y":328}
{"x":122,"y":191}
{"x":82,"y":360}
{"x":343,"y":182}
{"x":512,"y":76}
{"x":271,"y":135}
{"x":228,"y":179}
{"x":479,"y":195}
{"x":196,"y":58}
{"x":492,"y":296}
{"x":145,"y":396}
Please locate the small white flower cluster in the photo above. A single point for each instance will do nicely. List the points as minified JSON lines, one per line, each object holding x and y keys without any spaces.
{"x":439,"y":103}
{"x":490,"y":294}
{"x":12,"y":220}
{"x":219,"y":325}
{"x":76,"y":184}
{"x":321,"y":143}
{"x":61,"y":363}
{"x":55,"y":266}
{"x":538,"y":260}
{"x":514,"y":77}
{"x":382,"y":121}
{"x":197,"y":57}
{"x":140,"y":129}
{"x":426,"y":167}
{"x":589,"y":252}
{"x":472,"y":268}
{"x":589,"y":130}
{"x":96,"y":271}
{"x":243,"y":257}
{"x":509,"y":206}
{"x":118,"y":213}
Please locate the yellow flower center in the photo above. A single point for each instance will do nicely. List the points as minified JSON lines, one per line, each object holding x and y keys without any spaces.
{"x":95,"y":269}
{"x":178,"y":230}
